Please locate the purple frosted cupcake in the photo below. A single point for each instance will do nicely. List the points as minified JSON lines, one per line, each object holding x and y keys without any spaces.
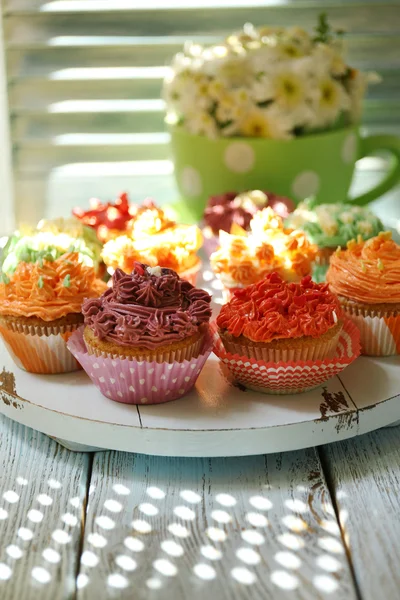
{"x":148,"y":326}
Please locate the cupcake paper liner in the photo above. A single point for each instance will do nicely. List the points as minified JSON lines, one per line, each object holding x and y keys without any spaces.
{"x":134,"y":382}
{"x":40,"y":349}
{"x":289,"y":377}
{"x":379,"y":335}
{"x":178,"y":355}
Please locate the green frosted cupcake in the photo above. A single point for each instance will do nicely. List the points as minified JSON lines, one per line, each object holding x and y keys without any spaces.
{"x":50,"y":240}
{"x":330,"y":226}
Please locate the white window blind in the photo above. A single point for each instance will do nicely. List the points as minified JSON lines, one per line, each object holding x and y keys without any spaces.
{"x":84,"y":80}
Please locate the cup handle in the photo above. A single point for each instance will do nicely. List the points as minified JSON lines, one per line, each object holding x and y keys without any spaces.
{"x":369,"y":145}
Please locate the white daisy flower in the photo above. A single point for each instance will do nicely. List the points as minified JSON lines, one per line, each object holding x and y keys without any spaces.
{"x":266,"y":123}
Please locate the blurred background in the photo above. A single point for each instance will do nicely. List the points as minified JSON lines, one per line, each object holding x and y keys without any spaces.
{"x":81,"y":113}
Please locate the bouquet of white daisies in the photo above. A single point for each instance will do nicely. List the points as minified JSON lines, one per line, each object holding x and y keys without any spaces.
{"x":267,"y":82}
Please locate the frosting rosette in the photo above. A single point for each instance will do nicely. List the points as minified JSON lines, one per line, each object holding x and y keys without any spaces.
{"x":367,"y":272}
{"x":107,"y":219}
{"x":366,"y":277}
{"x":148,"y":309}
{"x":279,"y":337}
{"x":224,"y":210}
{"x":333,"y":225}
{"x":153,"y":239}
{"x":273,"y":309}
{"x":146,"y":338}
{"x":247,"y":257}
{"x":49,"y":241}
{"x":48,"y":289}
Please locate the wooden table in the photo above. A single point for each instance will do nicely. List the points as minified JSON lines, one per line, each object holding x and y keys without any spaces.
{"x":316,"y":523}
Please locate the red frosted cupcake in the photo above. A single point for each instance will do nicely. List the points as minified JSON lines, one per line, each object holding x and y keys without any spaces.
{"x":274,"y":320}
{"x":279,"y":337}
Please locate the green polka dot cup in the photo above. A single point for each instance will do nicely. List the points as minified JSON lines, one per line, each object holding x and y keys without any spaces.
{"x":319,"y":165}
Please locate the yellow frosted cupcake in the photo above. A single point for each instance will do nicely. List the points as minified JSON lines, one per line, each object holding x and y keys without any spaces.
{"x":152,"y":238}
{"x":247,"y":257}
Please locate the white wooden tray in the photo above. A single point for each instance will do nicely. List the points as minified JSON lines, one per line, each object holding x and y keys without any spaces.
{"x":216,"y":419}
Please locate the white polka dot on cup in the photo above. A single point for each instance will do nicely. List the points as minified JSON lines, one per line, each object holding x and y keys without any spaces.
{"x":306,"y":184}
{"x":239,"y":157}
{"x":191,"y":182}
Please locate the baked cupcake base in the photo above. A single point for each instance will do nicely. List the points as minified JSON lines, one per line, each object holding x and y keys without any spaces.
{"x":304,"y":348}
{"x":177,"y":351}
{"x":379,"y":326}
{"x":39,"y":346}
{"x":140,"y":382}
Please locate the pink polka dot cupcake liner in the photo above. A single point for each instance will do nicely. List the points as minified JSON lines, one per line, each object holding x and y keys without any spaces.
{"x":289,"y":377}
{"x":134,"y":382}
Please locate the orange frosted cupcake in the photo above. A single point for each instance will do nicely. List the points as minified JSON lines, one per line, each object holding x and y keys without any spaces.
{"x":366,"y":278}
{"x":247,"y":257}
{"x":152,"y":238}
{"x":274,"y":321}
{"x":40,"y":306}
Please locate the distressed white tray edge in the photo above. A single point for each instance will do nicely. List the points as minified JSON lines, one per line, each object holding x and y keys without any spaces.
{"x":191,"y":443}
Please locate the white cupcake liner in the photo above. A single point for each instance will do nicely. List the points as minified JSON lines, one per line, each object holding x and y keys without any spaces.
{"x":379,"y":335}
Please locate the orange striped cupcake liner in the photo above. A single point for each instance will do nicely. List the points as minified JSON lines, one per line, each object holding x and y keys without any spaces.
{"x":40,"y":349}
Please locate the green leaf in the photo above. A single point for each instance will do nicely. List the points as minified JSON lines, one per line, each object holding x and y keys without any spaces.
{"x":4,"y":278}
{"x":40,"y":282}
{"x":67,"y":281}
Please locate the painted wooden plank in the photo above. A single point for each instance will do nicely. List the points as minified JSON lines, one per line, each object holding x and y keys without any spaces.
{"x":373,"y":383}
{"x":28,"y":94}
{"x":42,"y":497}
{"x":365,"y":52}
{"x":47,"y":125}
{"x":245,"y":528}
{"x":205,"y":16}
{"x":365,"y":476}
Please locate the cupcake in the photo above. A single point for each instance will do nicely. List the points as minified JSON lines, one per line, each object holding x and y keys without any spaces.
{"x":229,"y":209}
{"x":244,"y":258}
{"x":40,"y":306}
{"x":366,"y":278}
{"x":50,"y":240}
{"x":329,"y":226}
{"x":154,"y":239}
{"x":108,"y":220}
{"x":147,"y":337}
{"x":274,"y":320}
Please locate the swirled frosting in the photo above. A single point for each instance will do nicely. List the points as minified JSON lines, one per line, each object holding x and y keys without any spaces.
{"x":367,"y":271}
{"x":272,"y":309}
{"x":147,"y":308}
{"x":246,"y":257}
{"x":224,"y":210}
{"x":332,"y":225}
{"x":48,"y":289}
{"x":108,"y":219}
{"x":153,"y":239}
{"x":50,"y":240}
